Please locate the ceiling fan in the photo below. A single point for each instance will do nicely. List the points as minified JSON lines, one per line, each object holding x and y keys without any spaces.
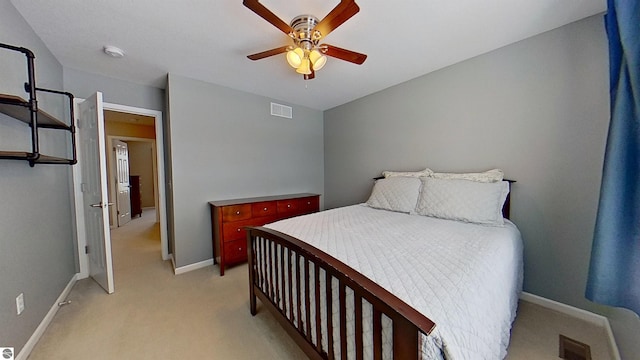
{"x":306,"y":54}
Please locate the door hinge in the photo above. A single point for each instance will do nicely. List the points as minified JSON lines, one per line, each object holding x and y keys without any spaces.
{"x":86,"y":249}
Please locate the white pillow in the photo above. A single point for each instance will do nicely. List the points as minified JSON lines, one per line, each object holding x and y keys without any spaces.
{"x":396,"y":193}
{"x":494,"y":175}
{"x":463,"y":200}
{"x":416,"y":174}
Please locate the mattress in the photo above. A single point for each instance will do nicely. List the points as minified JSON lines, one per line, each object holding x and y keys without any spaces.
{"x":464,"y":277}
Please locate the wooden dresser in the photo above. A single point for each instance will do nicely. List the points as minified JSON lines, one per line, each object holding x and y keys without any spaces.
{"x":229,"y":217}
{"x":135,"y":193}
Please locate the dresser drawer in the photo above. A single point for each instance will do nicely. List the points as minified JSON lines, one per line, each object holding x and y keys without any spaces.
{"x":236,"y":212}
{"x":264,"y":220}
{"x":309,"y":205}
{"x":288,"y":207}
{"x":267,"y":208}
{"x":235,"y":251}
{"x":235,"y":230}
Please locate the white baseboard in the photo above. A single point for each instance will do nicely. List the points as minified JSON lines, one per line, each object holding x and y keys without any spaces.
{"x":575,"y":312}
{"x":35,"y":337}
{"x":191,"y":267}
{"x":612,"y":341}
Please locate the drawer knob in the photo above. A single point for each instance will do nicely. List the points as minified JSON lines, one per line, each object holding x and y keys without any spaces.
{"x":238,"y":212}
{"x":238,"y":229}
{"x":308,"y":202}
{"x":239,"y":249}
{"x":265,"y":209}
{"x":288,"y":205}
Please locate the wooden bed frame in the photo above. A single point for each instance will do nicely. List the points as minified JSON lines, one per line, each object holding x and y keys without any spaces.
{"x":295,"y":259}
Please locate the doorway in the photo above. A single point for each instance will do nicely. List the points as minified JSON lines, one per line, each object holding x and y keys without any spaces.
{"x":131,"y":165}
{"x":158,"y":182}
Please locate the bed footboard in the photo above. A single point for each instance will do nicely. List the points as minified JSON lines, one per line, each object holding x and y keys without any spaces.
{"x":328,"y":308}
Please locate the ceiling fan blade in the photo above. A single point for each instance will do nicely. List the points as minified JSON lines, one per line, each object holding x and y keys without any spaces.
{"x":341,"y":13}
{"x":343,"y":54}
{"x":264,"y":54}
{"x":263,"y":12}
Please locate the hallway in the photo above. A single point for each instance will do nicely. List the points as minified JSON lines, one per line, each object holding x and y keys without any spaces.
{"x":135,"y":249}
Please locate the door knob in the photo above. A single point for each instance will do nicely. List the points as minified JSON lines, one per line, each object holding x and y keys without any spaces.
{"x":100,"y":205}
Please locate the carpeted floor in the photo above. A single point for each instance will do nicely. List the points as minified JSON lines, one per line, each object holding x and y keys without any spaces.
{"x":155,"y":314}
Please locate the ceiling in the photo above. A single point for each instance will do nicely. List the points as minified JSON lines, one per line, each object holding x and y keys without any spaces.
{"x":128,"y":118}
{"x":210,"y":39}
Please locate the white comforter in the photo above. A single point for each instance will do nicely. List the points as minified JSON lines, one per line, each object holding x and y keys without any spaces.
{"x":464,"y":277}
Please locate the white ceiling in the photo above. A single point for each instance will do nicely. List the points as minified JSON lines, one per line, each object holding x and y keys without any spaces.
{"x":209,"y":40}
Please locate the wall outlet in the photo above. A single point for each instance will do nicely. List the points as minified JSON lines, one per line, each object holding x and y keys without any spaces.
{"x":20,"y":303}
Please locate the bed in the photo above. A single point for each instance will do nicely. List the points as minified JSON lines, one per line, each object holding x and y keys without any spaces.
{"x":408,"y":279}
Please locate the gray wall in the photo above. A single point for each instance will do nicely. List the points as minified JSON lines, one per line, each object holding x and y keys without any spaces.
{"x":83,"y":85}
{"x":141,"y":156}
{"x":225,"y":144}
{"x":36,"y":220}
{"x":537,"y":109}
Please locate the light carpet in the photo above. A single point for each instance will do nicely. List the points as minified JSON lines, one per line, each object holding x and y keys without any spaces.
{"x":155,"y":314}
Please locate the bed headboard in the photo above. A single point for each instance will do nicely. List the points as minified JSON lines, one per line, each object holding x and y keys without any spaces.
{"x":506,"y":208}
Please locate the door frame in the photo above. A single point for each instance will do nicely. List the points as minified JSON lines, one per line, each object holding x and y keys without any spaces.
{"x":83,"y":261}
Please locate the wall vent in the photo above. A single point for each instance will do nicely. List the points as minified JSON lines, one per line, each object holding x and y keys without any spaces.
{"x":571,"y":349}
{"x":281,"y":110}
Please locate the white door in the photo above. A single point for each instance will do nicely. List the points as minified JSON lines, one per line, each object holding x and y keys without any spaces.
{"x":123,"y":200}
{"x":94,"y":190}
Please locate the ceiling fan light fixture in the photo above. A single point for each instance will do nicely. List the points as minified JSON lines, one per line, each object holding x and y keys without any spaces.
{"x":306,"y":55}
{"x":294,"y":57}
{"x":305,"y":67}
{"x":317,"y":59}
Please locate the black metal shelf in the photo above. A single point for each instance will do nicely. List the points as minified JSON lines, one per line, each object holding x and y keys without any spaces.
{"x":27,"y":111}
{"x":35,"y":159}
{"x":18,"y":108}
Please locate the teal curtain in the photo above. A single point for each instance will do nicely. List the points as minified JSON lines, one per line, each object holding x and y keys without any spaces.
{"x":614,"y":273}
